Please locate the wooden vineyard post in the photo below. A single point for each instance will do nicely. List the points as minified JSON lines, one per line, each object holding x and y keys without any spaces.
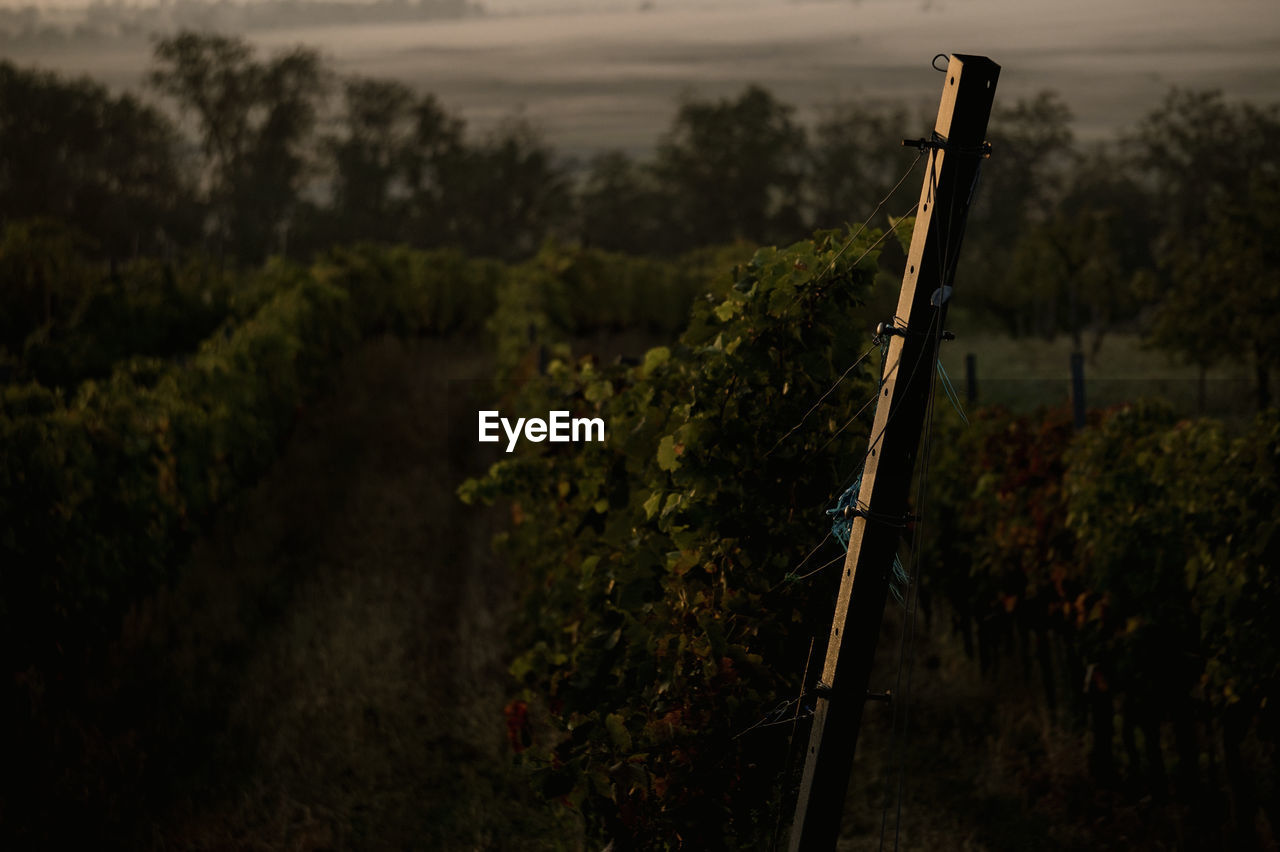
{"x":955,"y":153}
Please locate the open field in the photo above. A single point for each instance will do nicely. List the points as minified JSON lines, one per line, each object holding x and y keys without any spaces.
{"x":1022,"y":374}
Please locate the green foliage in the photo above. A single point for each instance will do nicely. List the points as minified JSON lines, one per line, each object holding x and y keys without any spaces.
{"x":413,"y":292}
{"x":105,"y":479}
{"x":100,"y":490}
{"x":733,"y":170}
{"x":1141,"y":547}
{"x":505,"y":194}
{"x":1216,"y":167}
{"x":106,"y":165}
{"x":997,"y":524}
{"x":1084,"y":259}
{"x":68,"y":317}
{"x":255,"y":119}
{"x":102,"y":484}
{"x":1022,"y":185}
{"x":622,"y":208}
{"x":566,"y":292}
{"x":1225,"y":277}
{"x":1176,"y":525}
{"x":1235,"y":574}
{"x":144,"y":309}
{"x":1203,"y":151}
{"x":657,"y":619}
{"x":388,"y":137}
{"x":1178,"y":216}
{"x":852,"y":160}
{"x":43,"y":276}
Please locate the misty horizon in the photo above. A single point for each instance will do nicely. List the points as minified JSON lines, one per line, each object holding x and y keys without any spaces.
{"x":612,"y":79}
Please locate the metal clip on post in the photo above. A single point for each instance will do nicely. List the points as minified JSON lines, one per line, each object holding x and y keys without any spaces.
{"x":888,"y":329}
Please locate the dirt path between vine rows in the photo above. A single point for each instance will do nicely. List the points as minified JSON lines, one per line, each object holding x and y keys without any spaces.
{"x":328,"y":673}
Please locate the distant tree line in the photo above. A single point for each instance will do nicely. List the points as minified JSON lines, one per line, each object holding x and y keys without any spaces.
{"x":1171,"y":228}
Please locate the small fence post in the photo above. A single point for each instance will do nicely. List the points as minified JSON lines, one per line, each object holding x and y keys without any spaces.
{"x":1077,"y":388}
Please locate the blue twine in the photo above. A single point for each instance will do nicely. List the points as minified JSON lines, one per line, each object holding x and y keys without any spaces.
{"x":842,"y":525}
{"x":842,"y":528}
{"x":898,"y":581}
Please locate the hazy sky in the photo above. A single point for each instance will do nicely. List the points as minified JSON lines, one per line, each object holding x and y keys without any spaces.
{"x":492,"y":6}
{"x":611,"y":78}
